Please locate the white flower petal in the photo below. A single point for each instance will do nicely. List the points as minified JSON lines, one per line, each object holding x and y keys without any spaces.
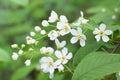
{"x":64,"y":51}
{"x":63,"y":19}
{"x":84,"y":21}
{"x":73,"y":32}
{"x":65,"y":61}
{"x":60,"y":68}
{"x":105,"y":38}
{"x":69,"y":56}
{"x":108,"y":32}
{"x":97,"y":37}
{"x":58,"y":54}
{"x":58,"y":62}
{"x":83,"y":36}
{"x":51,"y":75}
{"x":60,"y":25}
{"x":79,"y":30}
{"x":102,"y":26}
{"x":81,"y":12}
{"x":63,"y":32}
{"x":74,"y":40}
{"x":57,"y":41}
{"x":96,"y":31}
{"x":63,"y":43}
{"x":82,"y":42}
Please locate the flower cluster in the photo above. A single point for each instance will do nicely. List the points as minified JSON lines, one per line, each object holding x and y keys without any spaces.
{"x":56,"y":58}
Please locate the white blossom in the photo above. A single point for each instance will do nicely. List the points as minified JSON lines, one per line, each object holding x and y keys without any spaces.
{"x":63,"y":27}
{"x":43,"y":32}
{"x":14,"y":45}
{"x":53,"y":17}
{"x":63,"y":55}
{"x":60,"y":44}
{"x":30,"y":49}
{"x":47,"y":50}
{"x":20,"y":52}
{"x":103,"y":9}
{"x":81,"y":20}
{"x":30,"y":40}
{"x":60,"y":67}
{"x":15,"y":56}
{"x":78,"y":35}
{"x":53,"y":35}
{"x":116,"y":9}
{"x":48,"y":65}
{"x":101,"y":32}
{"x":114,"y":17}
{"x":28,"y":62}
{"x":23,"y":45}
{"x":37,"y":29}
{"x":45,"y":23}
{"x":32,"y":33}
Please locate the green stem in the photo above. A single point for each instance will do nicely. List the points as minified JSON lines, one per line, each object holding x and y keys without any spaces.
{"x":68,"y":69}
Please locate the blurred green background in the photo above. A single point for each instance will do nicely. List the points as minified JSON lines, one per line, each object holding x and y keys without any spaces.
{"x":18,"y":17}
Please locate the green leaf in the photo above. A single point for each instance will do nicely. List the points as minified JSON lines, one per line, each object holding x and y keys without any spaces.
{"x":97,"y":65}
{"x":91,"y":46}
{"x":22,"y":72}
{"x":21,"y":2}
{"x":4,"y":55}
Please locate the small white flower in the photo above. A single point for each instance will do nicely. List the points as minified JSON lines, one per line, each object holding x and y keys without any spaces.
{"x":20,"y":52}
{"x":14,"y":45}
{"x":30,"y":49}
{"x":48,"y":65}
{"x":60,"y":68}
{"x":101,"y":32}
{"x":37,"y":29}
{"x":119,"y":73}
{"x":28,"y":62}
{"x":47,"y":50}
{"x":53,"y":35}
{"x":81,"y":20}
{"x":116,"y":9}
{"x":14,"y":56}
{"x":28,"y":37}
{"x":60,"y":44}
{"x":63,"y":56}
{"x":32,"y":33}
{"x":103,"y":9}
{"x":45,"y":23}
{"x":23,"y":45}
{"x":30,"y":40}
{"x":53,"y":17}
{"x":114,"y":17}
{"x":78,"y":35}
{"x":43,"y":50}
{"x":43,"y":32}
{"x":63,"y":27}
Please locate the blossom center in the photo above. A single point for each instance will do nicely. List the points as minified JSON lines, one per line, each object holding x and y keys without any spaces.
{"x":50,"y":63}
{"x":65,"y":27}
{"x":63,"y":58}
{"x":79,"y":36}
{"x":101,"y":33}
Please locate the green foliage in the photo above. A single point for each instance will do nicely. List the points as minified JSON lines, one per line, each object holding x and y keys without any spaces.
{"x":22,"y":72}
{"x":96,"y":65}
{"x":95,"y":61}
{"x":4,"y":56}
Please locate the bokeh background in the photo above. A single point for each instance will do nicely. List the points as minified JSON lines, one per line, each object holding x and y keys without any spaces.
{"x":18,"y":18}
